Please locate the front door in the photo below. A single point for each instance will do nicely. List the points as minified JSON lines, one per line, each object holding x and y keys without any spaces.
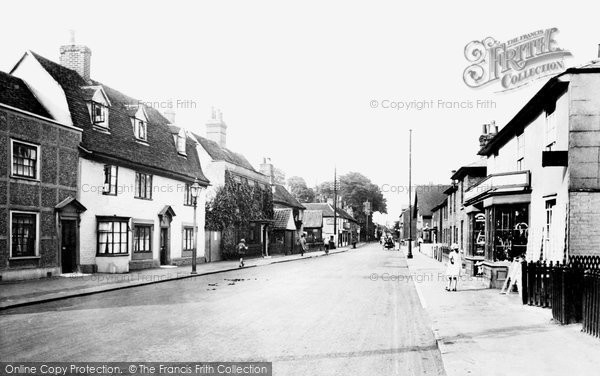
{"x":68,"y":246}
{"x":289,"y":242}
{"x":164,"y":246}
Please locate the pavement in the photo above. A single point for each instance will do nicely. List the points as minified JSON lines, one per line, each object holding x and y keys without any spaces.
{"x":339,"y":315}
{"x":20,"y":293}
{"x":482,"y":332}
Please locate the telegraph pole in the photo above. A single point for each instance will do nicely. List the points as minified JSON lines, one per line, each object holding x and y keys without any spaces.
{"x":410,"y":212}
{"x":335,"y":237}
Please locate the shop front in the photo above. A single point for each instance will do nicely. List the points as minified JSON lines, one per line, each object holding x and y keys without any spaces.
{"x":498,"y":211}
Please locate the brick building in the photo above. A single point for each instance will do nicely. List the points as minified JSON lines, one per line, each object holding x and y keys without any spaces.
{"x":38,"y":186}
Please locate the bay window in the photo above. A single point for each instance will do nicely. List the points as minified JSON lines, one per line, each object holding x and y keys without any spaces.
{"x":113,"y":236}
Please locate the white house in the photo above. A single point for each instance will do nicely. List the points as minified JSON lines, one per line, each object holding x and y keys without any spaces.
{"x":134,"y":174}
{"x":541,"y":197}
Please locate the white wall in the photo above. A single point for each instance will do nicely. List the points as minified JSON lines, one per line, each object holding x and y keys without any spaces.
{"x":165,"y":192}
{"x":545,"y":181}
{"x":45,"y":88}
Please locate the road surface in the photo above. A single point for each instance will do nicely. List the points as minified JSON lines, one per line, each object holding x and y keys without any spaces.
{"x":320,"y":316}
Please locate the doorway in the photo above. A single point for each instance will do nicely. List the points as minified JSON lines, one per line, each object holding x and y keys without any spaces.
{"x":68,"y":246}
{"x":164,"y":246}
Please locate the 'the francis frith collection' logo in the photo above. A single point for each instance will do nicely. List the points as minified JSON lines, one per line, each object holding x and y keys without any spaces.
{"x":514,"y":63}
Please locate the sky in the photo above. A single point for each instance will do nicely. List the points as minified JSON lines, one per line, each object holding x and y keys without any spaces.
{"x":296,"y":80}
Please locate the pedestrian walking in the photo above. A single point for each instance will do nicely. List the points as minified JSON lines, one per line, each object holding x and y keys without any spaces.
{"x":330,"y":245}
{"x":453,"y":268}
{"x":242,"y":248}
{"x":303,"y":245}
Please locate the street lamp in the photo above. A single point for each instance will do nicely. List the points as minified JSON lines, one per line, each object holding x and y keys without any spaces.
{"x":194,"y":190}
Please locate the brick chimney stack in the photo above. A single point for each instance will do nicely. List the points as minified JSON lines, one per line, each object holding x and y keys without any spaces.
{"x":488,"y":131}
{"x":266,"y":168}
{"x":216,"y":129}
{"x":76,"y":57}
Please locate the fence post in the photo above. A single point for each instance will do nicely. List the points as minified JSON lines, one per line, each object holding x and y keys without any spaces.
{"x":531,"y":281}
{"x":586,"y":303}
{"x":524,"y":291}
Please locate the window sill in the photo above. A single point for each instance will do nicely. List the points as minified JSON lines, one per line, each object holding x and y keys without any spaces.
{"x":135,"y":252}
{"x":112,"y":254}
{"x":24,"y":258}
{"x":142,"y":142}
{"x":109,"y":194}
{"x":101,"y":129}
{"x":143,"y":198}
{"x":24,"y":178}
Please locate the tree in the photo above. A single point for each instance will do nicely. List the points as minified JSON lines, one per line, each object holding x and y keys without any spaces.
{"x":355,"y":189}
{"x":232,"y":209}
{"x":300,"y":190}
{"x":278,"y":176}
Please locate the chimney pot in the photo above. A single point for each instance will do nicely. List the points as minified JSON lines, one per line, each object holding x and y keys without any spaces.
{"x":598,"y":51}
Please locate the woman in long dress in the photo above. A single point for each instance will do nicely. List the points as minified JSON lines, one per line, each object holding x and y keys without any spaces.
{"x":453,"y":268}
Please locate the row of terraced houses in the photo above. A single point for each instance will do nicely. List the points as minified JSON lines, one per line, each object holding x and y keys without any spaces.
{"x":93,"y":180}
{"x":533,"y":191}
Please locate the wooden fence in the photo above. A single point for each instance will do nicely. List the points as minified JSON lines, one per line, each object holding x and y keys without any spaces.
{"x":571,"y":290}
{"x":441,"y":252}
{"x":591,"y":303}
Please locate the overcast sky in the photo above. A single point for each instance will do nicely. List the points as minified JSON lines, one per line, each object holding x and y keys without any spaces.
{"x":295,"y":79}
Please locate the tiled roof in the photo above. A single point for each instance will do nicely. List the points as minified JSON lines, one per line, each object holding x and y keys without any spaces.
{"x":325,"y":208}
{"x":161,"y":151}
{"x":282,"y":196}
{"x":218,"y":153}
{"x":15,"y":93}
{"x":428,"y":197}
{"x":312,"y":219}
{"x":344,"y":214}
{"x":476,"y":168}
{"x":281,"y":218}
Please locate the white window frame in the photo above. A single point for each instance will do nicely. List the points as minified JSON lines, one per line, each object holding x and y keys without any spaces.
{"x":37,"y":235}
{"x":37,"y":161}
{"x":520,"y":151}
{"x":550,"y":129}
{"x":104,"y":110}
{"x":137,"y":123}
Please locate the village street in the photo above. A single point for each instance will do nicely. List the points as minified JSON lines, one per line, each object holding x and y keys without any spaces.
{"x":324,"y":315}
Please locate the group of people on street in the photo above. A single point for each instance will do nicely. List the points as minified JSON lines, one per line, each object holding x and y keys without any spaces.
{"x":242,"y":248}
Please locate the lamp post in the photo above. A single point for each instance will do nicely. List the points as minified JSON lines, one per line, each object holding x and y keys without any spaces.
{"x":194,"y":190}
{"x":410,"y":209}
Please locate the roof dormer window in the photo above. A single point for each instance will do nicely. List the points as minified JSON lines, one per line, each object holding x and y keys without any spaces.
{"x":139,"y":129}
{"x":99,"y":114}
{"x":139,"y":123}
{"x":98,"y":105}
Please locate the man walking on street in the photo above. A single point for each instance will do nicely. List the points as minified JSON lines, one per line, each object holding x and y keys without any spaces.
{"x":303,"y":246}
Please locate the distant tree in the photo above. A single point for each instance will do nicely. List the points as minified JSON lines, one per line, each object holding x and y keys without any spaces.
{"x":300,"y":190}
{"x":324,"y":191}
{"x":355,"y":189}
{"x":278,"y":176}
